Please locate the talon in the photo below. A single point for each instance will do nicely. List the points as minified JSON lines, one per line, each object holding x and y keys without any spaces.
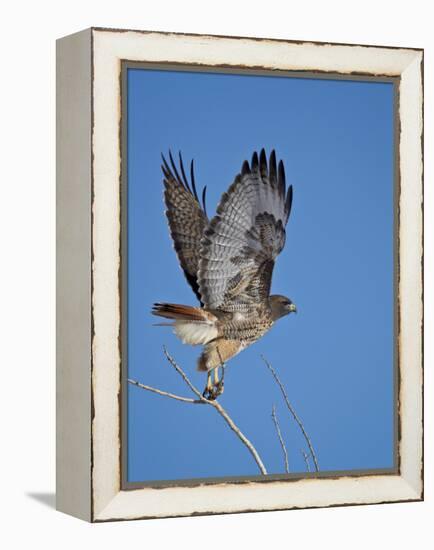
{"x":219,"y":388}
{"x":207,"y":393}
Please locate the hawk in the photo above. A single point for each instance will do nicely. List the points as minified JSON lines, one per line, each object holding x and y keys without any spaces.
{"x":228,"y":260}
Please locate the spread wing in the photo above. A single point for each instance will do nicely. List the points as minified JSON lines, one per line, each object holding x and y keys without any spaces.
{"x":242,"y":241}
{"x":186,"y":216}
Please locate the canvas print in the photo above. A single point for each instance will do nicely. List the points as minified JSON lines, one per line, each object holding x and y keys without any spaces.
{"x":258,"y":274}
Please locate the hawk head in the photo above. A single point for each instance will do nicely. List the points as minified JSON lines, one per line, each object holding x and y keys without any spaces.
{"x":281,"y":306}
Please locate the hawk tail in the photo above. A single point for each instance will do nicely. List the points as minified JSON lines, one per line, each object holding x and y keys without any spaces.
{"x":179,"y":312}
{"x":192,"y":325}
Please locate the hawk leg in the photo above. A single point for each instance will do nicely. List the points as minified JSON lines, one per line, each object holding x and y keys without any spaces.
{"x":214,"y":389}
{"x":219,"y":383}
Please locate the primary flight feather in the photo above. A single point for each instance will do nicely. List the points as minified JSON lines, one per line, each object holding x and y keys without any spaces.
{"x":228,"y":260}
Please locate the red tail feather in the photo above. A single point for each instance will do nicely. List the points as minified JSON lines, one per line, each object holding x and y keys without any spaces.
{"x":180,"y":312}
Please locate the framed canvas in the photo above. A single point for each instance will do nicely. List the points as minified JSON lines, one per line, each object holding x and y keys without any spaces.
{"x":209,"y":188}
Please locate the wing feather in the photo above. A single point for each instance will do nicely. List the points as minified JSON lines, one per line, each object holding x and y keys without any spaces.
{"x":186,"y":217}
{"x":243,"y":240}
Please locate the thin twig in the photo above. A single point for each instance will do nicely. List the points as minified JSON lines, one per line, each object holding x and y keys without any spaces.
{"x":306,"y":459}
{"x":183,"y":375}
{"x":292,"y":411}
{"x":201,"y":399}
{"x":165,"y":393}
{"x":279,"y":435}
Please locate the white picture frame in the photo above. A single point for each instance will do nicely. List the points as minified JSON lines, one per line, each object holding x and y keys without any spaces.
{"x":89,"y":347}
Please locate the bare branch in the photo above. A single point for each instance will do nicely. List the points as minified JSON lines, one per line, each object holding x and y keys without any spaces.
{"x":165,"y":393}
{"x":306,"y":459}
{"x":183,"y":375}
{"x":202,"y":400}
{"x":292,"y":411}
{"x":240,"y":435}
{"x":279,"y":435}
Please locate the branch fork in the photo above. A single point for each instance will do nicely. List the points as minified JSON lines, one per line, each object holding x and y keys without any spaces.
{"x":201,"y":400}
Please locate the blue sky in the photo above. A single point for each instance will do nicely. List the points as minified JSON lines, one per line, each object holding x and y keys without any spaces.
{"x":335,"y":356}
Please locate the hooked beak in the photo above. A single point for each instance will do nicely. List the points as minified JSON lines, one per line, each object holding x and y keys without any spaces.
{"x":292,"y":308}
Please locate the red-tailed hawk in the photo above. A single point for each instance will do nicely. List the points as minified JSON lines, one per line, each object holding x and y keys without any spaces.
{"x":228,"y":260}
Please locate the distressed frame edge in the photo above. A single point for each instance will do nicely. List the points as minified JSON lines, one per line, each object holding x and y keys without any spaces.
{"x":252,"y":38}
{"x":73,"y":292}
{"x":411,"y":204}
{"x":111,"y":511}
{"x":413,"y":492}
